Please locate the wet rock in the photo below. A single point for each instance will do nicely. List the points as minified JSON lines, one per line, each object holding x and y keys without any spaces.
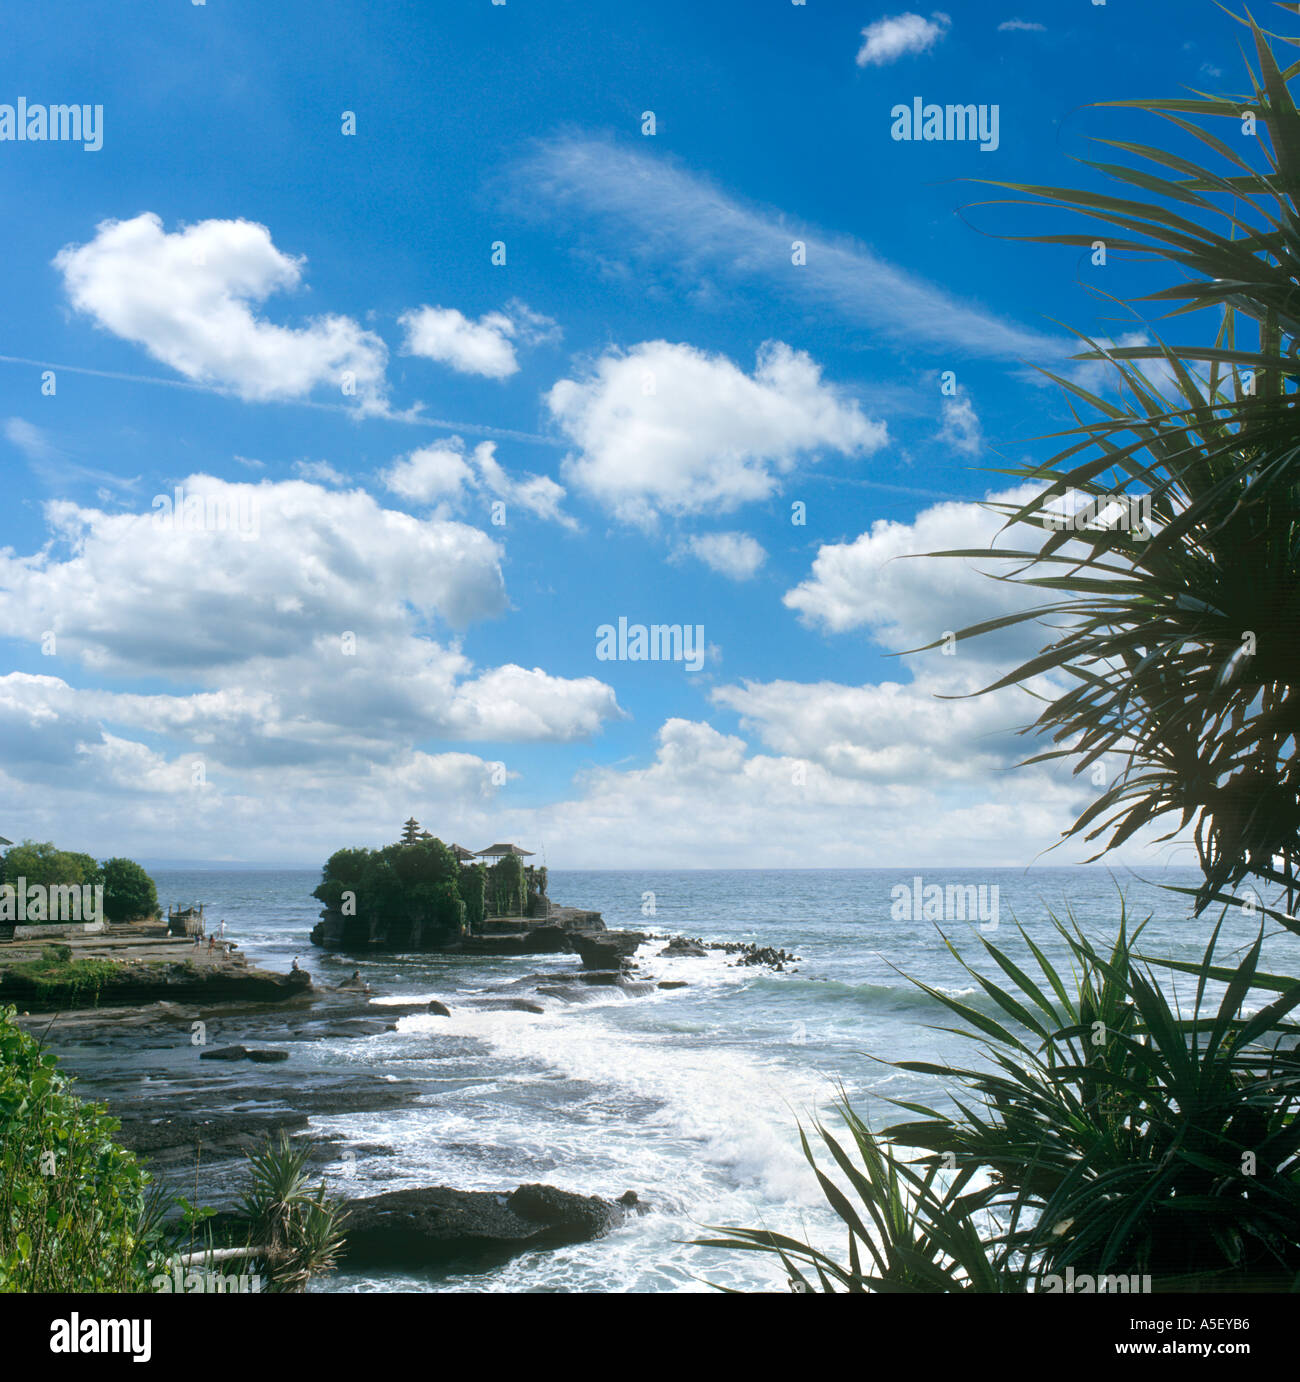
{"x":165,"y":1138}
{"x":673,"y":984}
{"x":355,"y":1027}
{"x":756,"y":954}
{"x":606,"y":949}
{"x":225,"y":1053}
{"x":436,"y":1009}
{"x":539,"y":940}
{"x":263,"y":1055}
{"x":680,"y":945}
{"x":429,"y":1225}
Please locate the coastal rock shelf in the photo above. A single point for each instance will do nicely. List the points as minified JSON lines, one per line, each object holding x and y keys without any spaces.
{"x":135,"y":982}
{"x":543,"y":935}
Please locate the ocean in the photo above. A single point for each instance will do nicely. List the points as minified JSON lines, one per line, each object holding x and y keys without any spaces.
{"x":691,"y":1097}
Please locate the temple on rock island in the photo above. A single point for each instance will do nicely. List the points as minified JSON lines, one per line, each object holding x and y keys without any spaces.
{"x":421,"y":894}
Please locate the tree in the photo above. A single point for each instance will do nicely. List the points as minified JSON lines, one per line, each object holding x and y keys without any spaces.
{"x":1178,"y":641}
{"x":129,"y":892}
{"x":419,"y":882}
{"x":91,"y":872}
{"x":47,"y":866}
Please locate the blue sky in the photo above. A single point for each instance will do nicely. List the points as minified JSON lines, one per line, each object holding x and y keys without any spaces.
{"x":648,"y":384}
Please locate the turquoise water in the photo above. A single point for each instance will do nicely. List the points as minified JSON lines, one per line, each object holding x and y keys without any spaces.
{"x":690,"y":1097}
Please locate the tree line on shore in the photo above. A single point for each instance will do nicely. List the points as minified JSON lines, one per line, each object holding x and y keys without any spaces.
{"x":129,"y":892}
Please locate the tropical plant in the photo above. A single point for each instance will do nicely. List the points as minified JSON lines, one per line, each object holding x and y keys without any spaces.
{"x":1146,"y":1141}
{"x":294,"y":1233}
{"x":1177,"y":640}
{"x":1105,"y":1133}
{"x":1108,"y":1132}
{"x":916,"y":1230}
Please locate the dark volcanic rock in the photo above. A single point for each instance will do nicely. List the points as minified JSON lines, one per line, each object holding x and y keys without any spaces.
{"x":673,"y":984}
{"x":437,"y":1009}
{"x":420,"y":1226}
{"x":354,"y":1027}
{"x":501,"y":936}
{"x":168,"y":1126}
{"x":583,"y":1216}
{"x":137,"y":983}
{"x":539,"y":940}
{"x":225,"y":1053}
{"x":679,"y":945}
{"x":606,"y":949}
{"x":217,"y":1134}
{"x":629,"y":1199}
{"x":264,"y":1056}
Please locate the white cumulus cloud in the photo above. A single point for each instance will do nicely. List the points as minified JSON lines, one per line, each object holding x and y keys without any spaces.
{"x":187,"y":296}
{"x":896,"y":36}
{"x":448,"y":336}
{"x":735,"y":555}
{"x":444,"y":472}
{"x":429,"y":473}
{"x":485,"y":347}
{"x":667,"y":428}
{"x":882,"y":582}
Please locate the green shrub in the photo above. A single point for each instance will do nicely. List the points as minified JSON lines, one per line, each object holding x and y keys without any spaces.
{"x":57,"y":976}
{"x":910,"y":1230}
{"x":77,"y":1212}
{"x":129,"y":892}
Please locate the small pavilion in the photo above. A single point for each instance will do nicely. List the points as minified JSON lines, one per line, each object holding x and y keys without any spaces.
{"x":495,"y":853}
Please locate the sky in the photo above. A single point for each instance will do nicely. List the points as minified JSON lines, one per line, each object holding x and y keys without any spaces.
{"x":382,"y":354}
